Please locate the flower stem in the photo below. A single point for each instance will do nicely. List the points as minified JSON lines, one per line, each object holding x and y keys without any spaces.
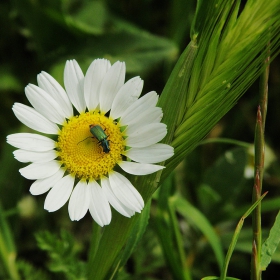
{"x":259,"y":165}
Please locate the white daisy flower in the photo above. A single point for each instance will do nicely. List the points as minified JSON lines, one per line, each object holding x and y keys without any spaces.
{"x":108,"y":126}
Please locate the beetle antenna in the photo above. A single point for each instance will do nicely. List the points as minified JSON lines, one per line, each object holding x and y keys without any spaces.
{"x":83,"y":140}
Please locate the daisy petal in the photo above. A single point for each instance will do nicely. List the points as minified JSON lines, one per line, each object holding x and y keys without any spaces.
{"x":41,"y":186}
{"x":113,"y":200}
{"x":31,"y":142}
{"x":142,"y":104}
{"x":93,"y":80}
{"x":44,"y":103}
{"x":59,"y":194}
{"x":126,"y":96}
{"x":99,"y":206}
{"x":31,"y":118}
{"x":147,"y":135}
{"x":136,"y":168}
{"x":112,"y":82}
{"x":151,"y":115}
{"x":56,"y":91}
{"x":30,"y":156}
{"x":151,"y":154}
{"x":79,"y":201}
{"x":74,"y":84}
{"x":125,"y":192}
{"x":40,"y":170}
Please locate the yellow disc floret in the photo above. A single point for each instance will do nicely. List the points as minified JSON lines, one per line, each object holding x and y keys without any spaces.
{"x":81,"y":153}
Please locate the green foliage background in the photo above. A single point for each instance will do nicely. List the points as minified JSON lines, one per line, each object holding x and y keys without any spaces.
{"x":194,"y":232}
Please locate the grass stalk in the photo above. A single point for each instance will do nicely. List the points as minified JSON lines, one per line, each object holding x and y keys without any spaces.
{"x":259,"y":165}
{"x":235,"y":238}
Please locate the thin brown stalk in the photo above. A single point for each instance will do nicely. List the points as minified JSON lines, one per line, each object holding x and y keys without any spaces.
{"x":259,"y":166}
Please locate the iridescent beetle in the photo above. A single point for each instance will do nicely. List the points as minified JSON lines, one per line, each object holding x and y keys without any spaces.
{"x":100,"y":135}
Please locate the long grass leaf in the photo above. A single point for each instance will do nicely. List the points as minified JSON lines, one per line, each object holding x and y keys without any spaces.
{"x":191,"y":213}
{"x":271,"y":243}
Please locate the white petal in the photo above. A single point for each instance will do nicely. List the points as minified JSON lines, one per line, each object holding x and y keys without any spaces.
{"x":99,"y":206}
{"x":31,"y":142}
{"x":151,"y":154}
{"x":59,"y":194}
{"x":74,"y":84}
{"x":79,"y":201}
{"x":44,"y":103}
{"x":30,"y":156}
{"x":142,"y":104}
{"x":126,"y":96}
{"x":31,"y":118}
{"x":111,"y":84}
{"x":40,"y":170}
{"x":147,"y":135}
{"x":152,"y":115}
{"x":113,"y":200}
{"x":54,"y":89}
{"x":93,"y":80}
{"x":136,"y":168}
{"x":41,"y":186}
{"x":125,"y":192}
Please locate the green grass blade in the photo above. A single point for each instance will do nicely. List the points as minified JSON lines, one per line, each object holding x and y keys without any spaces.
{"x":231,"y":47}
{"x":271,"y":243}
{"x":168,"y":231}
{"x":136,"y":234}
{"x":7,"y":248}
{"x":236,"y":235}
{"x":191,"y":213}
{"x":216,"y":278}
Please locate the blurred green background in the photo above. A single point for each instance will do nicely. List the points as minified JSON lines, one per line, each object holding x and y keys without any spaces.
{"x":149,"y":36}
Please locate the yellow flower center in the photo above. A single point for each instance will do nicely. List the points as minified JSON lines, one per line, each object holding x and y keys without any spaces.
{"x":82,"y":153}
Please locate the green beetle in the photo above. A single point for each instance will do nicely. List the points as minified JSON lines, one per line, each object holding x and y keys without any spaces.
{"x":100,"y":135}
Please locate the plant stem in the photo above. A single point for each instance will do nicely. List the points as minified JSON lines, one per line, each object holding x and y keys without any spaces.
{"x":259,"y":165}
{"x":235,"y":238}
{"x":226,"y":141}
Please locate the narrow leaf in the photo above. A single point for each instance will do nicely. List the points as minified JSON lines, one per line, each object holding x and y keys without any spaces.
{"x":136,"y":234}
{"x":271,"y":243}
{"x":236,"y":235}
{"x":168,"y":231}
{"x":191,"y":213}
{"x":7,"y":248}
